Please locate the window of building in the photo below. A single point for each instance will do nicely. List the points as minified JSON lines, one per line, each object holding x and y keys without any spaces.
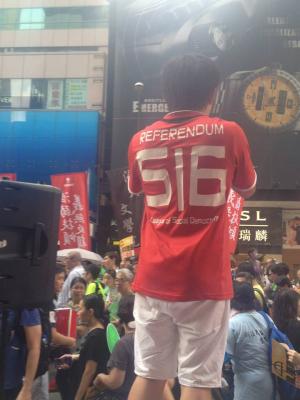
{"x":54,"y":17}
{"x":20,"y":90}
{"x":5,"y":98}
{"x":56,"y":49}
{"x":9,"y":18}
{"x":32,"y":18}
{"x":76,"y":17}
{"x":36,"y":94}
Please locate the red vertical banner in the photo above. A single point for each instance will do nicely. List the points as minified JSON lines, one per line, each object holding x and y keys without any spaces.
{"x":8,"y":176}
{"x":74,"y":227}
{"x":235,"y":205}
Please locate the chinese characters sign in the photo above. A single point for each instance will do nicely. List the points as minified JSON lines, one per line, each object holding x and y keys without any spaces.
{"x":261,"y":227}
{"x":128,"y":209}
{"x":234,"y":209}
{"x":74,"y":217}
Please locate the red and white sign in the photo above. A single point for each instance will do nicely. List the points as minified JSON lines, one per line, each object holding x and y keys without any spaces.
{"x":74,"y":213}
{"x":8,"y":176}
{"x":66,"y":321}
{"x":235,"y":205}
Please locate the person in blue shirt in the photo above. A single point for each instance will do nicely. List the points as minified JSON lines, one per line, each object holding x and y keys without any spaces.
{"x":22,"y":353}
{"x":247,"y":347}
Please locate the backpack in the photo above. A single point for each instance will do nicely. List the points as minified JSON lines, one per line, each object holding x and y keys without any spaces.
{"x":46,"y":338}
{"x":286,"y":390}
{"x":99,"y":289}
{"x":265,"y":306}
{"x":43,"y":363}
{"x":16,"y":347}
{"x":15,"y":352}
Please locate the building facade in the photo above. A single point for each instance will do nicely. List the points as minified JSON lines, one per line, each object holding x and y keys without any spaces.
{"x":53,"y":54}
{"x":52,"y":92}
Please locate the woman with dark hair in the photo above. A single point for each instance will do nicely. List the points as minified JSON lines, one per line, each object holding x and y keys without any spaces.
{"x":285,"y":315}
{"x":117,"y":383}
{"x":77,"y":289}
{"x":247,"y":347}
{"x":94,"y":353}
{"x":112,"y":295}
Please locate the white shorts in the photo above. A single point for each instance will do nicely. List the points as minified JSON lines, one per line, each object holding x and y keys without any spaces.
{"x":184,"y":339}
{"x":40,"y":387}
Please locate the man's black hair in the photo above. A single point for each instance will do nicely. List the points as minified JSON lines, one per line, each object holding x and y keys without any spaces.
{"x":280,"y":269}
{"x":189,"y":82}
{"x":248,"y":277}
{"x":283,"y":281}
{"x":251,"y":250}
{"x":244,"y":297}
{"x":59,"y":269}
{"x":93,"y":270}
{"x":113,"y":255}
{"x":246,"y":266}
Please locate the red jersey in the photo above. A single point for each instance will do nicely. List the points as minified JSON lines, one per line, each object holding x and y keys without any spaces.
{"x":186,"y":165}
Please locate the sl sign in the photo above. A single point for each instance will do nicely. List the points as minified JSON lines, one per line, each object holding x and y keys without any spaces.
{"x":262,"y":228}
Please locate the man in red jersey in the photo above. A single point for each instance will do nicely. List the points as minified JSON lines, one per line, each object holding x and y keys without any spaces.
{"x":185,"y":165}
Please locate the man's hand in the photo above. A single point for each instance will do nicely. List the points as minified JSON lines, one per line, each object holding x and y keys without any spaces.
{"x":294,"y":357}
{"x":65,"y":361}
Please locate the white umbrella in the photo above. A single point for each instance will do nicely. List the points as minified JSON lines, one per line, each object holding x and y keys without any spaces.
{"x":85,"y":254}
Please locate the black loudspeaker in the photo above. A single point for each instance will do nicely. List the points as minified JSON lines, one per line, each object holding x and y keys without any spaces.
{"x":29,"y":218}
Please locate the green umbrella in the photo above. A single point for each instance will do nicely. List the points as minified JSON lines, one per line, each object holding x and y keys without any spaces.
{"x":112,"y":336}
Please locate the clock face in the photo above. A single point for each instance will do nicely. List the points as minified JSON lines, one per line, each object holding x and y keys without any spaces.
{"x":271,"y":99}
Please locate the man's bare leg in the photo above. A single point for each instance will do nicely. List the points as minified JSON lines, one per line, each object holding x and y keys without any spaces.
{"x":167,"y":395}
{"x":189,"y":393}
{"x":147,"y":389}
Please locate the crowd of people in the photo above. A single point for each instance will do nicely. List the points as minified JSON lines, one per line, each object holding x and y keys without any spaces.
{"x":261,"y":290}
{"x":99,"y":294}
